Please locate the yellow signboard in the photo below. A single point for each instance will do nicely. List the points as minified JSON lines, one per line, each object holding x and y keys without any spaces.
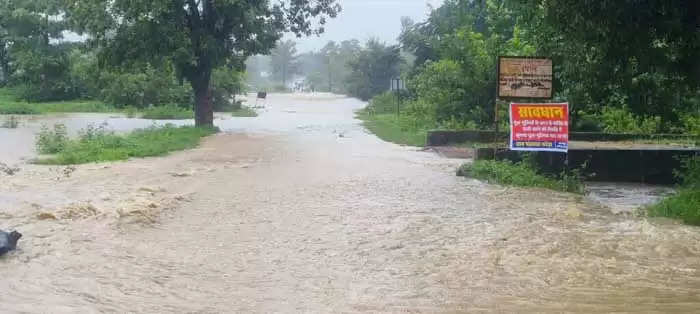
{"x":524,"y":77}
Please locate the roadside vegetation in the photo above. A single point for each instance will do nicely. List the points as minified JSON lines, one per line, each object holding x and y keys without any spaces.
{"x":521,"y":174}
{"x":685,"y":205}
{"x":449,"y":65}
{"x":98,"y":144}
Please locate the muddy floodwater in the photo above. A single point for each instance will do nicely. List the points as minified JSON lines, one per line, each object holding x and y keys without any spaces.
{"x":302,"y":210}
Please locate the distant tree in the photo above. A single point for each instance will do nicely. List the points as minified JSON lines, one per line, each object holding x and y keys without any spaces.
{"x":197,"y":35}
{"x":372,"y":69}
{"x":332,"y":65}
{"x":283,"y":59}
{"x":30,"y":54}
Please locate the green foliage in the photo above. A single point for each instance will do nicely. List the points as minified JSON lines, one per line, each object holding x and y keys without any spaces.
{"x":518,"y":174}
{"x":97,"y":144}
{"x":143,"y":88}
{"x":383,"y":103}
{"x":685,"y":205}
{"x":197,"y":37}
{"x":621,"y":120}
{"x":690,"y":172}
{"x":692,"y":124}
{"x":225,"y":84}
{"x":52,"y":141}
{"x":372,"y":70}
{"x":167,"y":112}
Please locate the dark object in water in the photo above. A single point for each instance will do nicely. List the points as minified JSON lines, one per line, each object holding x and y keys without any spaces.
{"x":8,"y":241}
{"x":262,"y":95}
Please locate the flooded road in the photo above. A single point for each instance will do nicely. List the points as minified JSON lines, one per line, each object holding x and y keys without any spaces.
{"x":301,"y":210}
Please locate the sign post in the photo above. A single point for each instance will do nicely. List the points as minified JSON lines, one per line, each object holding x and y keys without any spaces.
{"x":397,"y":85}
{"x":525,"y":77}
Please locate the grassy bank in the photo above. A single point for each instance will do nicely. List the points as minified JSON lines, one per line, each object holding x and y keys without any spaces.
{"x":96,"y":144}
{"x":388,"y":128}
{"x":10,"y":105}
{"x":519,"y":174}
{"x":685,"y":205}
{"x":168,"y":112}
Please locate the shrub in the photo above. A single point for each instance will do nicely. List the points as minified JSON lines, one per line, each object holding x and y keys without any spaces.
{"x":621,"y":120}
{"x":225,"y":84}
{"x":383,"y":103}
{"x":52,"y":141}
{"x":149,"y":87}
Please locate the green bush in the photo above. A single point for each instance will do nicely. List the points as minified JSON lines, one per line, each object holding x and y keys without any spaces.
{"x":383,"y":103}
{"x":225,"y":84}
{"x":621,"y":120}
{"x":97,"y":144}
{"x":692,"y":124}
{"x":518,"y":174}
{"x":52,"y":141}
{"x":42,"y":74}
{"x":149,"y":87}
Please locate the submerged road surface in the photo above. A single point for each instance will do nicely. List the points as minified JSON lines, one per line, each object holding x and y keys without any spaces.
{"x":301,"y":210}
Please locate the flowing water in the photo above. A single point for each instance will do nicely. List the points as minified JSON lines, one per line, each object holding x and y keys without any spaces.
{"x":301,"y":210}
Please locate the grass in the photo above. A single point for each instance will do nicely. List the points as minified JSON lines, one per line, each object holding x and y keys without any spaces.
{"x":167,"y":112}
{"x":96,"y":144}
{"x":244,"y":112}
{"x":519,"y":174}
{"x":388,"y":128}
{"x":10,"y":105}
{"x":685,"y":205}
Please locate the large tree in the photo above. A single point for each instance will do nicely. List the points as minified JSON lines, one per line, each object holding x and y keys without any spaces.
{"x":196,"y":35}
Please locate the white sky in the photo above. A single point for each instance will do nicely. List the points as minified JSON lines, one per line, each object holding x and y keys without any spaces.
{"x":360,"y":19}
{"x":363,"y":19}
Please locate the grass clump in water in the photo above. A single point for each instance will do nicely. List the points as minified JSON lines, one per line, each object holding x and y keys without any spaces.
{"x":684,"y":205}
{"x":10,"y":122}
{"x":167,"y":112}
{"x":520,"y":174}
{"x":52,"y":141}
{"x":244,"y":112}
{"x":97,"y":144}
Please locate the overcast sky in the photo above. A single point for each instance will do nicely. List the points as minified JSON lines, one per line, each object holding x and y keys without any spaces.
{"x":362,"y":19}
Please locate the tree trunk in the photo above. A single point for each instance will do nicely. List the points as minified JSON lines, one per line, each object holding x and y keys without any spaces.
{"x":203,"y":109}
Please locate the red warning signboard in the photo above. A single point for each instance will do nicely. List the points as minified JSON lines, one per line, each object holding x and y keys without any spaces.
{"x":539,"y":127}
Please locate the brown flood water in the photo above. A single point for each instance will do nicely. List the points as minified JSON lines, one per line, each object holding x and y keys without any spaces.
{"x":301,"y":210}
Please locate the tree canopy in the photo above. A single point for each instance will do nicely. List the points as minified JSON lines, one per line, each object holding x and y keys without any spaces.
{"x":197,"y":36}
